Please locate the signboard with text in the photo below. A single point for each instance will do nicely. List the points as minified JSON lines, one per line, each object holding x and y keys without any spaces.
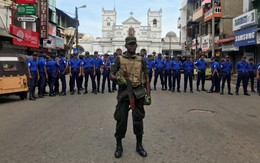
{"x":44,"y":18}
{"x":26,"y":1}
{"x":246,"y":19}
{"x":246,"y":36}
{"x":28,"y":38}
{"x":26,"y":19}
{"x":26,"y":10}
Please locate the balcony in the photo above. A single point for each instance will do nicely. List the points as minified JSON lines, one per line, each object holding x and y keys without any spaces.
{"x":179,"y":23}
{"x":198,"y":15}
{"x":217,"y":13}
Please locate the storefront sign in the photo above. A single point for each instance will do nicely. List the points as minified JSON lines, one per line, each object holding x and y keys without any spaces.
{"x":246,"y":36}
{"x":59,"y":42}
{"x":26,"y":1}
{"x":26,"y":10}
{"x":246,"y":19}
{"x":229,"y":47}
{"x":205,"y":43}
{"x":28,"y":38}
{"x":44,"y":18}
{"x":52,"y":29}
{"x":53,"y":42}
{"x":26,"y":19}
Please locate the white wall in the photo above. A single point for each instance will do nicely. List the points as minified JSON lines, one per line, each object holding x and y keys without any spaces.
{"x":5,"y":19}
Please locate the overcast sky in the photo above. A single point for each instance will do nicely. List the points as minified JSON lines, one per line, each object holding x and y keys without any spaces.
{"x":91,"y":17}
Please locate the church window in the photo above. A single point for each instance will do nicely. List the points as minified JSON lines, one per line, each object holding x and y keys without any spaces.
{"x":131,"y":32}
{"x":108,"y":23}
{"x":154,"y":22}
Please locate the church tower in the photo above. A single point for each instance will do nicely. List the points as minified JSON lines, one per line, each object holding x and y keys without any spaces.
{"x":155,"y":24}
{"x":108,"y":23}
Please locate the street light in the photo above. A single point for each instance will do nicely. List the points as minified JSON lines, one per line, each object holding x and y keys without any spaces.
{"x":77,"y":25}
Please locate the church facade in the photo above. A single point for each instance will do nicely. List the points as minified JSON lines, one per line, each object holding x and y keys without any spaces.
{"x":113,"y":35}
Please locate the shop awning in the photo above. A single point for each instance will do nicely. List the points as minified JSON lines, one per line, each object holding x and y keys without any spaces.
{"x":7,"y":34}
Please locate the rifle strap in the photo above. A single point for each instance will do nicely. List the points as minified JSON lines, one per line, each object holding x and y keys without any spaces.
{"x":132,"y":67}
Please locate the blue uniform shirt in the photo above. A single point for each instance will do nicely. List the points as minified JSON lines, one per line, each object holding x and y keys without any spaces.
{"x":52,"y":67}
{"x":251,"y":67}
{"x":258,"y":68}
{"x":106,"y":63}
{"x":167,"y":65}
{"x":226,"y":67}
{"x":97,"y":62}
{"x":188,"y":66}
{"x":32,"y":65}
{"x":176,"y":65}
{"x":62,"y":64}
{"x":75,"y":63}
{"x":214,"y":66}
{"x":201,"y":64}
{"x":88,"y":62}
{"x":242,"y":66}
{"x":41,"y":64}
{"x":159,"y":63}
{"x":150,"y":64}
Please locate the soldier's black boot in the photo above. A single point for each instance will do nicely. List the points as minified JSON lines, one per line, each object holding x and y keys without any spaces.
{"x":30,"y":97}
{"x":119,"y":148}
{"x":139,"y":147}
{"x":79,"y":91}
{"x":198,"y":88}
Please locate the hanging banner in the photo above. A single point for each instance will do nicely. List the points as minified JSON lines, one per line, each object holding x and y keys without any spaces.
{"x":44,"y":18}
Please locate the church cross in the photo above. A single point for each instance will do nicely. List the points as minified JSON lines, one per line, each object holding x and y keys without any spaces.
{"x":131,"y":13}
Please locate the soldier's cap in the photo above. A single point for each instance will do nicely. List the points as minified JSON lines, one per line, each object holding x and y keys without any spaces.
{"x":130,"y":39}
{"x":95,"y":52}
{"x":87,"y":53}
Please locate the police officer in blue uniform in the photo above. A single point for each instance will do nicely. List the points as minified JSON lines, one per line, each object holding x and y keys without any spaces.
{"x":33,"y":75}
{"x":159,"y":63}
{"x":258,"y":78}
{"x":88,"y":70}
{"x":251,"y":73}
{"x":150,"y":63}
{"x":81,"y":57}
{"x":43,"y":75}
{"x":226,"y":68}
{"x":97,"y":72}
{"x":167,"y":73}
{"x":188,"y":67}
{"x":75,"y":72}
{"x":106,"y":65}
{"x":53,"y":68}
{"x":242,"y":68}
{"x":176,"y":73}
{"x":201,"y":66}
{"x":62,"y":73}
{"x":214,"y":75}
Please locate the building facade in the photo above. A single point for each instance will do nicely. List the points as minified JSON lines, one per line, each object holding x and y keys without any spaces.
{"x":149,"y":36}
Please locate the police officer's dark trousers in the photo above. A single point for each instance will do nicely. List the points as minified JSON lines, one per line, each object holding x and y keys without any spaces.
{"x":51,"y":81}
{"x":167,"y":79}
{"x":63,"y":82}
{"x":33,"y":81}
{"x":57,"y":85}
{"x":114,"y":86}
{"x":75,"y":76}
{"x":214,"y":82}
{"x":176,"y":76}
{"x":106,"y":74}
{"x":201,"y":77}
{"x":41,"y":83}
{"x":97,"y":84}
{"x":121,"y":116}
{"x":242,"y":76}
{"x":226,"y":76}
{"x":157,"y":73}
{"x":188,"y":77}
{"x":150,"y":75}
{"x":252,"y":80}
{"x":89,"y":73}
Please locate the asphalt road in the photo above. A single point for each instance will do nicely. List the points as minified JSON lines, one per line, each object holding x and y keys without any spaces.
{"x":179,"y":128}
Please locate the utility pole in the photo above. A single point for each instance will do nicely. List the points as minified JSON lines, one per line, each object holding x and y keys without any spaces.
{"x":213,"y":29}
{"x":77,"y":26}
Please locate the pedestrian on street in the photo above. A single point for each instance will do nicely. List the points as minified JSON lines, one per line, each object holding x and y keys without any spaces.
{"x":62,"y":74}
{"x":106,"y":65}
{"x":201,"y":66}
{"x":226,"y":69}
{"x":97,"y":72}
{"x":33,"y":73}
{"x":75,"y":72}
{"x":242,"y":68}
{"x":176,"y":73}
{"x":251,"y":73}
{"x":150,"y":63}
{"x":43,"y":75}
{"x":188,"y":67}
{"x":53,"y":70}
{"x":130,"y":70}
{"x":167,"y":73}
{"x":214,"y":75}
{"x":158,"y":70}
{"x":81,"y":57}
{"x":88,"y":71}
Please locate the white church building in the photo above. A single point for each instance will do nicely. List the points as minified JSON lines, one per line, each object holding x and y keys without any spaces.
{"x":113,"y":35}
